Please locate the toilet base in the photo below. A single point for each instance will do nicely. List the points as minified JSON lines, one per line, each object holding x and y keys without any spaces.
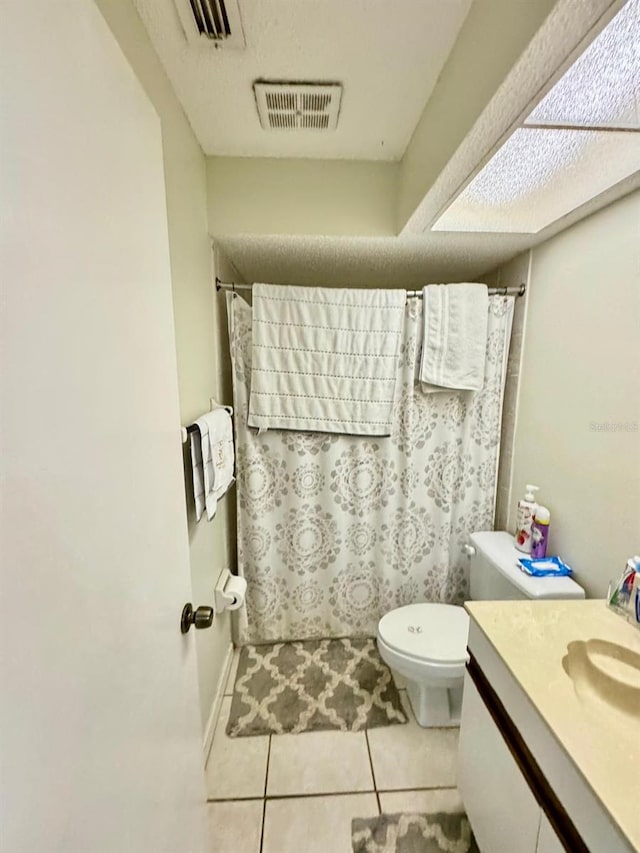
{"x":435,"y":706}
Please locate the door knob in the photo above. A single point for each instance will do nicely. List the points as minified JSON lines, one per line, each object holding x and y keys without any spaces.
{"x":201,"y":617}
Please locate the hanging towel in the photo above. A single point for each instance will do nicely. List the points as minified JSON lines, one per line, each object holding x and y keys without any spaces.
{"x":197,"y":472}
{"x":455,"y":337}
{"x":216,"y":439}
{"x":325,"y":359}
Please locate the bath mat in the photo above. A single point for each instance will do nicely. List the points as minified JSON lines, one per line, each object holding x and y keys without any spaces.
{"x":413,"y":833}
{"x":312,"y":685}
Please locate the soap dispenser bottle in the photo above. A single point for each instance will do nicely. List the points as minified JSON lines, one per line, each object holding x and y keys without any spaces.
{"x":524,"y":519}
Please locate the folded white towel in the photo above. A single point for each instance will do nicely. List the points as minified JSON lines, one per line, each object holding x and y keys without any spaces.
{"x":455,"y":337}
{"x":325,"y":359}
{"x":216,"y":433}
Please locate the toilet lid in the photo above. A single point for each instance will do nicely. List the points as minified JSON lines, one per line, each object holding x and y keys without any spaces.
{"x":435,"y":632}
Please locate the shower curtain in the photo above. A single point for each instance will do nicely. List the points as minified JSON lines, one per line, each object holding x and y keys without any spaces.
{"x":333,"y":530}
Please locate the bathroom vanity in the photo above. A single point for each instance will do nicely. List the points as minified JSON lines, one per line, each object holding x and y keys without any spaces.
{"x":550,"y":728}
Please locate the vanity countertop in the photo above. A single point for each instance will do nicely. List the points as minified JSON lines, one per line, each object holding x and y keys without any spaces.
{"x":532,"y":638}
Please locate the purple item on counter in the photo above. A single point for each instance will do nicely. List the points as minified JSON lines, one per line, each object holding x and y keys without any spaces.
{"x":539,"y":537}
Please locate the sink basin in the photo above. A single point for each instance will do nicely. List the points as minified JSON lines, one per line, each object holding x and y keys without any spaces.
{"x":605,"y":673}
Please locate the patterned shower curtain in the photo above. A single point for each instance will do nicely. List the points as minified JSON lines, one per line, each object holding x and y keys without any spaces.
{"x":335,"y":530}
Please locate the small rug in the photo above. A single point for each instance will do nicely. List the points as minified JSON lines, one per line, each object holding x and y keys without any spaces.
{"x":312,"y":685}
{"x":413,"y":833}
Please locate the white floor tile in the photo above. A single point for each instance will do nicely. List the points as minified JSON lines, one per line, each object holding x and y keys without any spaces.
{"x":319,"y":763}
{"x":424,"y":802}
{"x":314,"y":824}
{"x":231,"y":678}
{"x":237,"y":766}
{"x":412,"y":757}
{"x":236,"y":826}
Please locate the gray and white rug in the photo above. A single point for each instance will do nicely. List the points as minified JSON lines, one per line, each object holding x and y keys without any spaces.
{"x":312,"y":685}
{"x":413,"y":833}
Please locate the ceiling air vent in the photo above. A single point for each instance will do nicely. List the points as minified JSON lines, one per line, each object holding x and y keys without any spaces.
{"x":298,"y":106}
{"x":213,"y":22}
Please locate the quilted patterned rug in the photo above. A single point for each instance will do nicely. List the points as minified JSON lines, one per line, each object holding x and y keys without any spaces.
{"x":312,"y":685}
{"x":413,"y":833}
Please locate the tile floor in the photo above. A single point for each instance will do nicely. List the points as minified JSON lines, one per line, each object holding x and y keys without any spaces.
{"x":298,"y":793}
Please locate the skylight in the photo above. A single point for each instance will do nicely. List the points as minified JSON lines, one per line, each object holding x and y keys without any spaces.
{"x":563,"y":156}
{"x":602,"y":87}
{"x":540,"y":175}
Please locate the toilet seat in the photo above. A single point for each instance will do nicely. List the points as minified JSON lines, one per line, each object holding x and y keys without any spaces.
{"x":427,"y":633}
{"x":427,"y":644}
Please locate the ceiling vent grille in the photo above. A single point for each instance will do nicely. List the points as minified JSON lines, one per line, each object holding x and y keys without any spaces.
{"x":298,"y":106}
{"x":212,"y":22}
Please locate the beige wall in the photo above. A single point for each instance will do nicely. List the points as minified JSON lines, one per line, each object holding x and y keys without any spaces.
{"x":197,"y":320}
{"x":580,"y":368}
{"x":513,"y":274}
{"x":282,"y":196}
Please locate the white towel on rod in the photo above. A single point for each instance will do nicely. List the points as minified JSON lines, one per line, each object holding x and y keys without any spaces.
{"x":325,"y":359}
{"x":197,"y":471}
{"x":454,"y":342}
{"x":216,"y":432}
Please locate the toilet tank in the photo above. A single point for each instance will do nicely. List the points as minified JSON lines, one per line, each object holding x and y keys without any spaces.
{"x":494,"y":572}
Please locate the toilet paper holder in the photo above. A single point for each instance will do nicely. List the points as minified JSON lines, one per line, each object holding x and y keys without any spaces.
{"x":222,"y":599}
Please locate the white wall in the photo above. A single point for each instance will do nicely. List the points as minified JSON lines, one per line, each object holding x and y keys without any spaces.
{"x":197,"y":318}
{"x":512,"y":274}
{"x":285,"y":196}
{"x":580,"y":367}
{"x":99,"y":720}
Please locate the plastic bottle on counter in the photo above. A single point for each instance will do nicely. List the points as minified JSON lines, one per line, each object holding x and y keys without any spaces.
{"x":540,"y":532}
{"x":524,"y":519}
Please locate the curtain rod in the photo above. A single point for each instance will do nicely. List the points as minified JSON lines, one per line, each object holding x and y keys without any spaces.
{"x":413,"y":294}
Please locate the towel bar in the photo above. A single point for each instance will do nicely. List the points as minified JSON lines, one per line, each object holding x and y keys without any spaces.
{"x":186,"y":431}
{"x":411,"y":294}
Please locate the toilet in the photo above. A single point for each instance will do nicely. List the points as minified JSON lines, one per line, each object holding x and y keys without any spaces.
{"x":427,"y":643}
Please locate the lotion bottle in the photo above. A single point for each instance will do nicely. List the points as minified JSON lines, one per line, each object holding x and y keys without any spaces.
{"x":524,"y":520}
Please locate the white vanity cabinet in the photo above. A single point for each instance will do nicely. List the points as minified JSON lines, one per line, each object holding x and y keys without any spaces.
{"x":503,"y":811}
{"x":504,"y":814}
{"x":521,"y":790}
{"x":548,"y":841}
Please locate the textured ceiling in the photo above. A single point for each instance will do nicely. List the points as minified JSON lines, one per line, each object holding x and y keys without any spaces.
{"x":369,"y":261}
{"x":410,"y":261}
{"x":386,"y":55}
{"x":421,"y":256}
